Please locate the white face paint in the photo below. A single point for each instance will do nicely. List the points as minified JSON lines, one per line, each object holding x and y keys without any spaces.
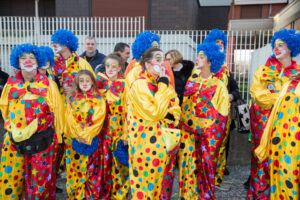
{"x":157,"y":62}
{"x":220,"y":43}
{"x":111,"y":73}
{"x":201,"y":60}
{"x":46,"y":66}
{"x":28,"y":62}
{"x":85,"y":83}
{"x":281,"y":49}
{"x":112,"y":67}
{"x":57,"y":48}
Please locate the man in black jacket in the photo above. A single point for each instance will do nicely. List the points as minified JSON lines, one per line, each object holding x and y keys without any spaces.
{"x":3,"y":79}
{"x":91,"y":54}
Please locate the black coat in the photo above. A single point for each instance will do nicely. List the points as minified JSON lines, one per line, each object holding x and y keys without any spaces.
{"x":233,"y":88}
{"x":95,"y":60}
{"x":181,"y":77}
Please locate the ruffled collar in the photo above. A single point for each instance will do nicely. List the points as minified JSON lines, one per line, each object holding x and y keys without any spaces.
{"x":72,"y":62}
{"x":59,"y":65}
{"x":18,"y":87}
{"x":273,"y":68}
{"x":91,"y":94}
{"x":152,"y":84}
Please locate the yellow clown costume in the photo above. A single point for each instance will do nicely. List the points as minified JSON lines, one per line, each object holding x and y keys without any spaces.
{"x":149,"y":102}
{"x":280,"y":144}
{"x":113,"y":93}
{"x":84,"y":162}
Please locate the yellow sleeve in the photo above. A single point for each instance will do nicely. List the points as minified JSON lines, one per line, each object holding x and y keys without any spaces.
{"x":220,"y":100}
{"x":4,"y":102}
{"x":83,"y":64}
{"x":153,"y":108}
{"x":88,"y":133}
{"x":262,"y":151}
{"x":57,"y":107}
{"x":71,"y":127}
{"x":260,"y":93}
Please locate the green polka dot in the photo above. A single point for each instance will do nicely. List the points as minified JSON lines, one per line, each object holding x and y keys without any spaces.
{"x":3,"y":159}
{"x":71,"y":182}
{"x":161,"y":155}
{"x":289,"y":111}
{"x":139,"y":146}
{"x":40,"y":99}
{"x":17,"y":165}
{"x":146,"y":174}
{"x":144,"y":189}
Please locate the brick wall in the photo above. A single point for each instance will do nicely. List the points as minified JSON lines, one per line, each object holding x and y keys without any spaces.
{"x":75,"y":8}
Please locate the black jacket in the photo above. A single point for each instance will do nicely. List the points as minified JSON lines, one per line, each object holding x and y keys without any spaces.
{"x":181,"y":77}
{"x":3,"y":79}
{"x":233,"y":88}
{"x":95,"y":60}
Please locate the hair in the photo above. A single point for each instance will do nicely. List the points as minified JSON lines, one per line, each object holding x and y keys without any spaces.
{"x":66,"y":38}
{"x":216,"y":34}
{"x":291,"y":38}
{"x":48,"y":52}
{"x":176,"y":55}
{"x":19,"y":50}
{"x":90,"y":37}
{"x":75,"y":88}
{"x":214,"y":55}
{"x":148,"y":55}
{"x":116,"y":56}
{"x":143,"y":42}
{"x":120,"y":47}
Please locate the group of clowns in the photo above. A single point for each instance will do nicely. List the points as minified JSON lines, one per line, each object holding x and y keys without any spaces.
{"x":117,"y":133}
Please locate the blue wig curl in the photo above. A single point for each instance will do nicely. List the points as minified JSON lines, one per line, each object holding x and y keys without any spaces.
{"x":121,"y":153}
{"x":214,"y":55}
{"x":19,"y":50}
{"x":48,"y":52}
{"x":216,"y":34}
{"x":66,"y":38}
{"x":291,"y":38}
{"x":143,"y":42}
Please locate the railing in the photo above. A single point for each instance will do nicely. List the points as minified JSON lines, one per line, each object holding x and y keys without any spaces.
{"x":109,"y":31}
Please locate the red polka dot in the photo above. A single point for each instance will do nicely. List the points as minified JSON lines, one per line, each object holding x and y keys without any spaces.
{"x":139,"y":160}
{"x":140,"y":168}
{"x":148,"y":150}
{"x":297,"y":136}
{"x":286,"y":126}
{"x":140,"y":195}
{"x":276,"y":163}
{"x":295,"y":119}
{"x":141,"y":128}
{"x":284,"y":135}
{"x":159,"y":133}
{"x":295,"y":172}
{"x":19,"y":125}
{"x":185,"y":136}
{"x":155,"y":162}
{"x":131,"y":182}
{"x":15,"y":177}
{"x":79,"y":174}
{"x":120,"y":109}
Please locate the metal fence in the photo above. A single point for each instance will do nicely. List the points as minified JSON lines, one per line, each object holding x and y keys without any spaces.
{"x":109,"y":31}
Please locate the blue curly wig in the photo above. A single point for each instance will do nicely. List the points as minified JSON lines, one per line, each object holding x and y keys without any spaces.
{"x":214,"y":55}
{"x":216,"y":34}
{"x":48,"y":52}
{"x":143,"y":42}
{"x":291,"y":38}
{"x":66,"y":38}
{"x":19,"y":50}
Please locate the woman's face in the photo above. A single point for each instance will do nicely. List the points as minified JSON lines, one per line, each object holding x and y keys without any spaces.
{"x":28,"y":62}
{"x":85,"y":82}
{"x":220,"y":43}
{"x":170,"y":59}
{"x":154,"y":67}
{"x":112,"y":68}
{"x":201,"y":60}
{"x":281,"y":49}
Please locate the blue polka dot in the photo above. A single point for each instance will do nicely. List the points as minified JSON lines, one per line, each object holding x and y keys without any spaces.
{"x":296,"y":100}
{"x":186,"y":107}
{"x":132,"y":191}
{"x":12,"y":115}
{"x":191,"y":148}
{"x":183,"y":164}
{"x":292,"y":128}
{"x":13,"y":196}
{"x":114,"y":119}
{"x":157,"y":145}
{"x":280,"y":147}
{"x":8,"y":169}
{"x":120,"y":192}
{"x":140,"y":180}
{"x":143,"y":135}
{"x":68,"y":160}
{"x":271,"y":161}
{"x":82,"y":180}
{"x":280,"y":115}
{"x":159,"y":169}
{"x":273,"y":189}
{"x":148,"y":158}
{"x":287,"y":159}
{"x":150,"y":187}
{"x":133,"y":150}
{"x":294,"y":192}
{"x":134,"y":124}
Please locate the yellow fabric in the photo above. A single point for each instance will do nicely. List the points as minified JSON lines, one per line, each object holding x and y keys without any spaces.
{"x":4,"y":102}
{"x":220,"y":100}
{"x":259,"y":90}
{"x":151,"y":107}
{"x":83,"y":64}
{"x":172,"y":137}
{"x":74,"y":127}
{"x":20,"y":135}
{"x":262,"y":150}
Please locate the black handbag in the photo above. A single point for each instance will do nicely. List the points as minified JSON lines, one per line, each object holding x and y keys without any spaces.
{"x":243,"y":114}
{"x":37,"y":143}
